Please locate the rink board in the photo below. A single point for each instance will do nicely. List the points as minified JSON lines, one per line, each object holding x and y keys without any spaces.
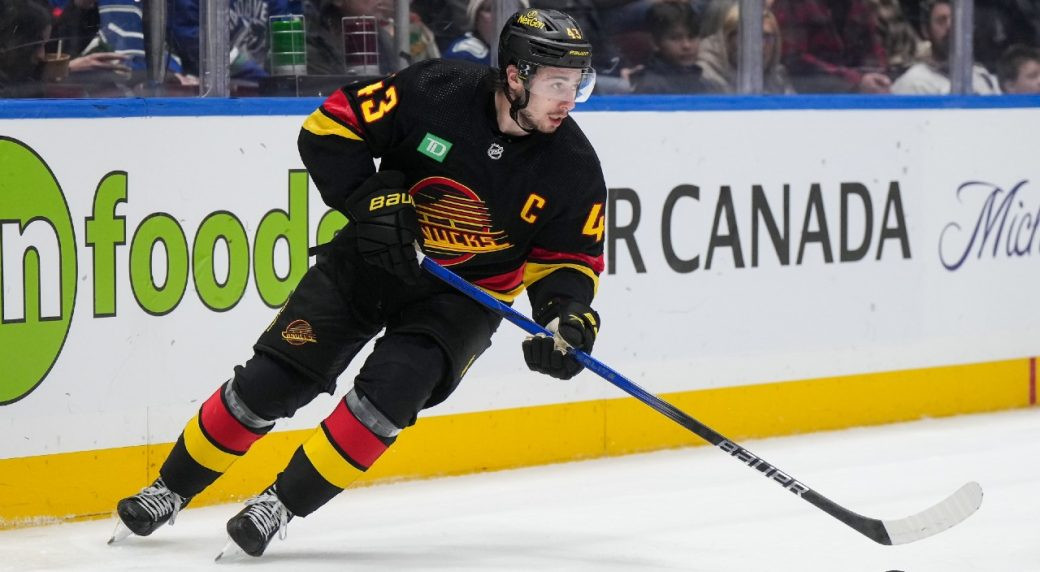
{"x":766,"y":271}
{"x":510,"y":438}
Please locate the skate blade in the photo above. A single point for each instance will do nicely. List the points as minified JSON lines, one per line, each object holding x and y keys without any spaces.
{"x":230,"y":552}
{"x":120,"y":533}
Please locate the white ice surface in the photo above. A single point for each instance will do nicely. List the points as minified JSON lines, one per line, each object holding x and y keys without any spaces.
{"x":691,"y":509}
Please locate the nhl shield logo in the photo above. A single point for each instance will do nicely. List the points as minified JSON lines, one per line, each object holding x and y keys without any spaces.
{"x":495,"y":151}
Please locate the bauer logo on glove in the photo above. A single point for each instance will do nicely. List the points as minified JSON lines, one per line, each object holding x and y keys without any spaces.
{"x":389,"y":200}
{"x":386,"y":225}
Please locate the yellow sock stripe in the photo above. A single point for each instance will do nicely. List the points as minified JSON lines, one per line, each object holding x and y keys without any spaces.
{"x":203,"y":451}
{"x":328,"y":461}
{"x":320,"y":124}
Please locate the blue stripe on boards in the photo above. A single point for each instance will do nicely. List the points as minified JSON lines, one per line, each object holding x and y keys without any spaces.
{"x":155,"y":107}
{"x":265,"y":106}
{"x":798,"y":102}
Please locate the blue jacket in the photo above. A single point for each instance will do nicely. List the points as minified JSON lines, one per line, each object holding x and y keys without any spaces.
{"x":470,"y":48}
{"x":247,"y":26}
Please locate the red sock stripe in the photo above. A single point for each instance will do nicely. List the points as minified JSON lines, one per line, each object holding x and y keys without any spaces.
{"x":221,"y":426}
{"x":352,"y":437}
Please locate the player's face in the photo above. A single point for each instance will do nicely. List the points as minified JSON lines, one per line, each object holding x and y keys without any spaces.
{"x":553,"y":91}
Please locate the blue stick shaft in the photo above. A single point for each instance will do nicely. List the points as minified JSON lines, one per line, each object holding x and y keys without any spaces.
{"x":593,"y":364}
{"x":869,"y":527}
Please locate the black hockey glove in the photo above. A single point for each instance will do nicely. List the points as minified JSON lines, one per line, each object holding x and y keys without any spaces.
{"x":386,"y":225}
{"x":573,"y":324}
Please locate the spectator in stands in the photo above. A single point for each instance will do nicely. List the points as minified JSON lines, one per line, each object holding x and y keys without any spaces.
{"x":832,"y":46}
{"x":422,"y":45}
{"x":718,"y":55}
{"x":901,"y":43}
{"x":182,"y":34}
{"x":77,"y":25}
{"x":445,"y":18}
{"x":674,"y":28}
{"x":325,"y":49}
{"x":611,"y":71}
{"x":1019,"y":70}
{"x":24,"y":28}
{"x":248,"y":22}
{"x":931,"y":75}
{"x":121,"y":31}
{"x":247,"y":29}
{"x":475,"y":45}
{"x":713,"y":15}
{"x":1000,"y":24}
{"x":713,"y":12}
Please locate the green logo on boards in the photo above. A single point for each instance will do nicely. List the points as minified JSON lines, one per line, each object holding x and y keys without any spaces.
{"x":434,"y":147}
{"x":160,"y":263}
{"x":37,"y":248}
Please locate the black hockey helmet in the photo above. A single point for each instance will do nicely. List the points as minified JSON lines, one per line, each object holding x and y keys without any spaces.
{"x":542,"y":37}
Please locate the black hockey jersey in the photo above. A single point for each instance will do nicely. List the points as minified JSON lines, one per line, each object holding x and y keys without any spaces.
{"x":503,"y":212}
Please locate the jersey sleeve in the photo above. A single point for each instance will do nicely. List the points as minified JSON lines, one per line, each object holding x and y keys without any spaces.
{"x":354,"y":125}
{"x":567,"y":256}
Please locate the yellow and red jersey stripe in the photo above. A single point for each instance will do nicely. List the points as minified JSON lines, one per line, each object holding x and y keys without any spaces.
{"x":507,"y":286}
{"x":335,"y":116}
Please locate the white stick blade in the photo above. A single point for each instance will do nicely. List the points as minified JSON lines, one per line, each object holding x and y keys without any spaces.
{"x":948,"y":513}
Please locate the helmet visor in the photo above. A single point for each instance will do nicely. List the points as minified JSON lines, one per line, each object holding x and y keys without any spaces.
{"x":562,"y":84}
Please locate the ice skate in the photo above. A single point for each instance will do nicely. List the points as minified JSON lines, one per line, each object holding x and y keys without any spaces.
{"x":252,"y":529}
{"x":146,"y":511}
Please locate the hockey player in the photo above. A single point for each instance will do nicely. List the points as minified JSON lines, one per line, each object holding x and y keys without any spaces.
{"x":487,"y":171}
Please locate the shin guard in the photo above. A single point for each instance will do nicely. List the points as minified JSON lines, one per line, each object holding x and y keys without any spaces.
{"x":343,"y":447}
{"x":211,"y":442}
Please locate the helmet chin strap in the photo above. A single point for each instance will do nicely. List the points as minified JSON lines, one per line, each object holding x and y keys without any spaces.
{"x":515,"y":105}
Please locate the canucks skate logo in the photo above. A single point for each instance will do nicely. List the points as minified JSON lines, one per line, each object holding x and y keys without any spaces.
{"x":455,"y":222}
{"x":299,"y":332}
{"x":37,"y":270}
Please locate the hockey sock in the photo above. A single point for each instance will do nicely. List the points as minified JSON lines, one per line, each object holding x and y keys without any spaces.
{"x":211,"y":442}
{"x":343,"y":447}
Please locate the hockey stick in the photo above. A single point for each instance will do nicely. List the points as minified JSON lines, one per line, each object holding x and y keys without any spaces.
{"x":949,"y":512}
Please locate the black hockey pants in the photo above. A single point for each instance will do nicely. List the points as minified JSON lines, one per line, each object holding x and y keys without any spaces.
{"x":433,"y":334}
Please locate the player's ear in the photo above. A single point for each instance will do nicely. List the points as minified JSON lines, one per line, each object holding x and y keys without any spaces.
{"x":513,"y":77}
